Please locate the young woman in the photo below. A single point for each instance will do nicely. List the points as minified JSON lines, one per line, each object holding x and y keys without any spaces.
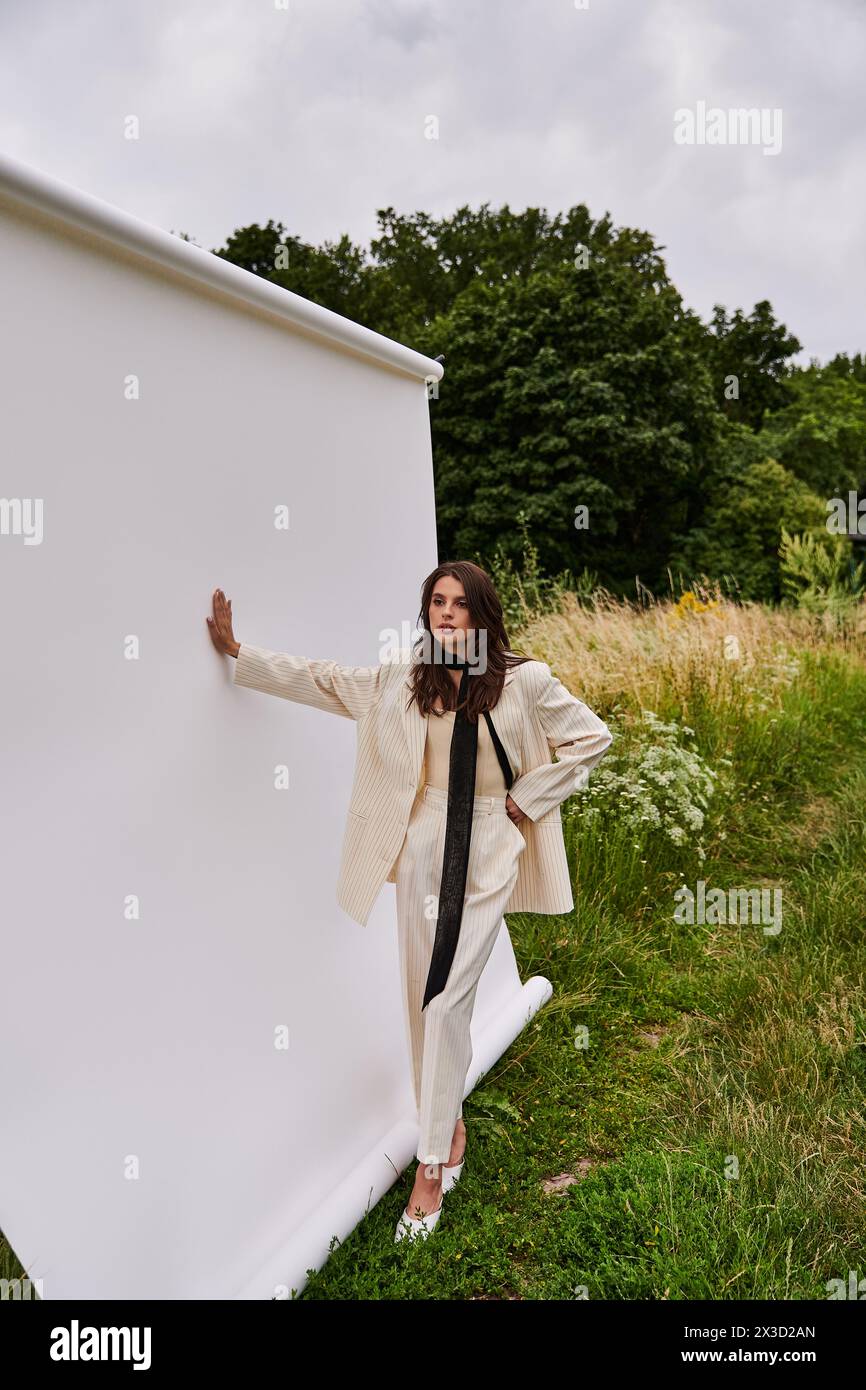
{"x":455,"y":801}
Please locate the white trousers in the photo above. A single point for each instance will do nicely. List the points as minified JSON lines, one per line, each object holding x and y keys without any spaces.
{"x":440,"y":1049}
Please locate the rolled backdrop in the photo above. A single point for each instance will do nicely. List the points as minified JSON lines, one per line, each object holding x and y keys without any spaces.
{"x":204,"y":1073}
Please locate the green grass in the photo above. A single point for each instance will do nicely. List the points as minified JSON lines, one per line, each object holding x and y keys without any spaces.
{"x":707,"y":1141}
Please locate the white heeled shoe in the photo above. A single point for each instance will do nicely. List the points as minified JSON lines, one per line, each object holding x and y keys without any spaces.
{"x":452,"y":1175}
{"x":417,"y":1227}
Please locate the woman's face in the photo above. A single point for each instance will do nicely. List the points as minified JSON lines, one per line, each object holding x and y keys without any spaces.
{"x":449,"y":613}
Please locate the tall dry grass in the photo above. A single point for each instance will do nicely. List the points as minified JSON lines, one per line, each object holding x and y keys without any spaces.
{"x":680,"y":657}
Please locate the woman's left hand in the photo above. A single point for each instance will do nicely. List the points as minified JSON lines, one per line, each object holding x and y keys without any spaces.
{"x":514,"y":811}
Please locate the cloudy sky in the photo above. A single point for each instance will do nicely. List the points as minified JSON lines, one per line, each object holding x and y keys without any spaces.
{"x":317,"y":113}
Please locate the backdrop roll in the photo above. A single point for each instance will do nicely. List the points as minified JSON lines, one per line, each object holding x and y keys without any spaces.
{"x":205,"y":1074}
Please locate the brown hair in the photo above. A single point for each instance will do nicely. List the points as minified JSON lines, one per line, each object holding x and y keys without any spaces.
{"x":431,"y":678}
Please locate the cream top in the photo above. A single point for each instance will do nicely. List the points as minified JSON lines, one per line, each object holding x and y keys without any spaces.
{"x":489,"y":780}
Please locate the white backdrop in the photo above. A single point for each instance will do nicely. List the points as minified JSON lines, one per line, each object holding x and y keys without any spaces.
{"x":156,"y":1142}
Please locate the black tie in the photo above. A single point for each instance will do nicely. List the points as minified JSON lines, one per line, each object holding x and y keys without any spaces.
{"x":458,"y":832}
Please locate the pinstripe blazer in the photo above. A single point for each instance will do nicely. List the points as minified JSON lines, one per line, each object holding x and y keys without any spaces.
{"x":535,"y":717}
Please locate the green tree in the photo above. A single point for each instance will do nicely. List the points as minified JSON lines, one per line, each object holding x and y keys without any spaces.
{"x":821,"y":434}
{"x":748,"y":508}
{"x":575,"y":378}
{"x":570,"y":387}
{"x":335,"y":275}
{"x":749,"y":354}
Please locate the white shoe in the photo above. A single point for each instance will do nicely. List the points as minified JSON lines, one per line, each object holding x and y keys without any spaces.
{"x":451,"y":1175}
{"x":417,"y":1227}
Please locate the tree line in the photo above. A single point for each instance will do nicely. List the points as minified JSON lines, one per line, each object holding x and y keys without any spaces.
{"x":584,"y":404}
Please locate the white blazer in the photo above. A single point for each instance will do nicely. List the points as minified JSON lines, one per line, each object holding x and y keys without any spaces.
{"x":535,"y":717}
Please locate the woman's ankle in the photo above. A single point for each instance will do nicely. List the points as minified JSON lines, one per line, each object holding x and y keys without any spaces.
{"x":430,"y":1173}
{"x":458,"y":1145}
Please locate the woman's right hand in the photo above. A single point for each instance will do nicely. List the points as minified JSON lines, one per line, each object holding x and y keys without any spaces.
{"x":220,"y":625}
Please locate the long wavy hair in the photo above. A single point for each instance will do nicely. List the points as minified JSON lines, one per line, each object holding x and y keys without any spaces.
{"x":431,"y":678}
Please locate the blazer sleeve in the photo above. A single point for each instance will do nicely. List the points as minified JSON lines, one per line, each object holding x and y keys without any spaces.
{"x":578,"y":738}
{"x":350,"y":691}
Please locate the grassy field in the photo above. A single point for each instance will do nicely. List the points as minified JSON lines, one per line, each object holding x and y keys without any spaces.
{"x":685,"y":1118}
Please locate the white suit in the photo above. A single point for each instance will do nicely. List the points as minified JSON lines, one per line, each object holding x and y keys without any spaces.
{"x":395,"y":832}
{"x":535,"y":717}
